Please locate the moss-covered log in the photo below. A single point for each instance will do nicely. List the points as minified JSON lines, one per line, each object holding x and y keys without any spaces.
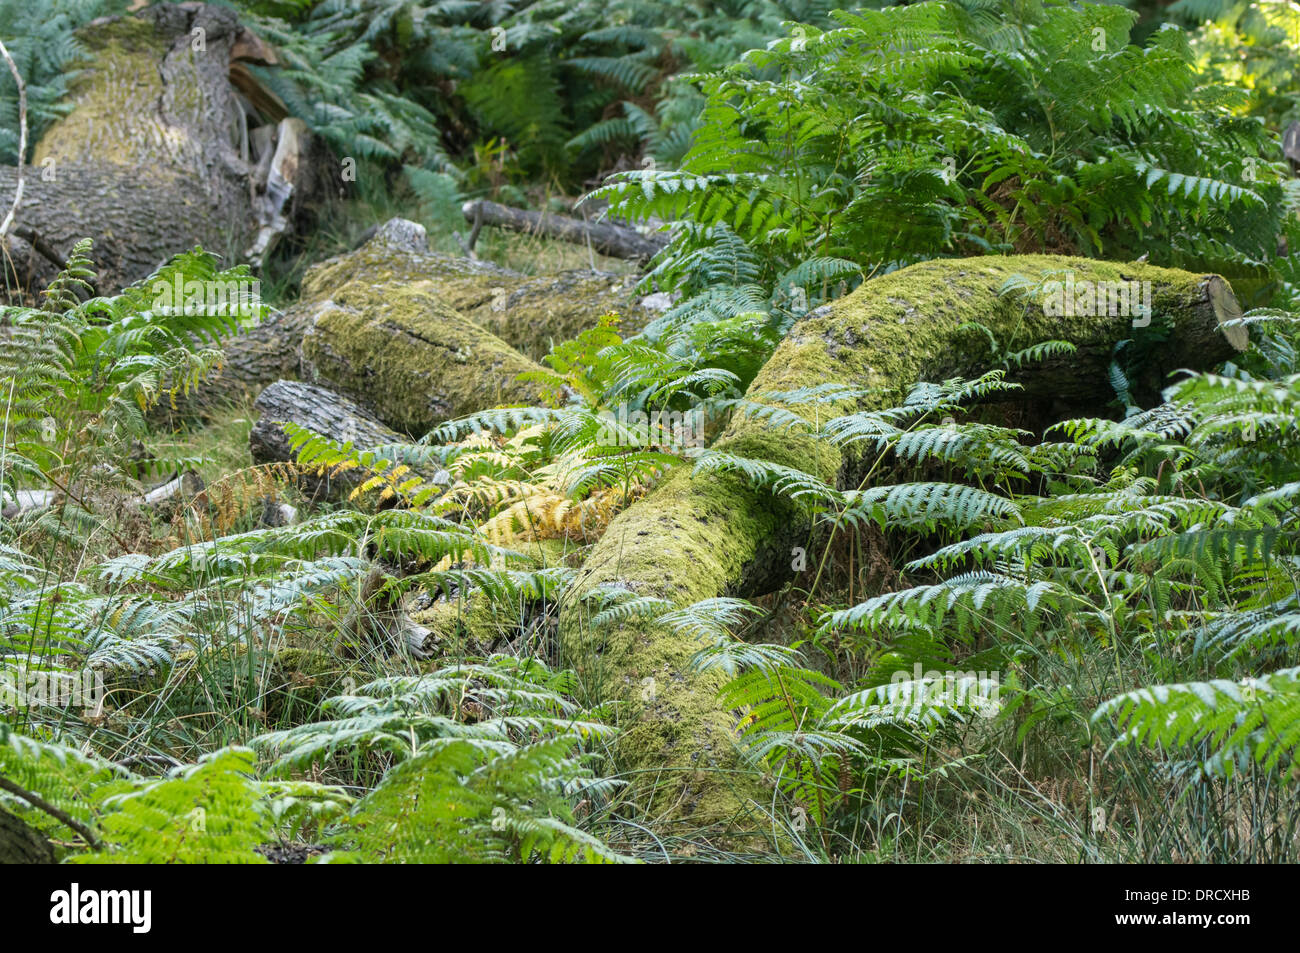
{"x":533,"y":313}
{"x":400,"y":351}
{"x":154,"y":156}
{"x":696,"y":538}
{"x":378,"y":326}
{"x":397,"y":252}
{"x":528,"y":313}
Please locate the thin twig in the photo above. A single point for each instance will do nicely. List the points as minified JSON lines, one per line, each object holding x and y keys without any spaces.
{"x":22,"y":137}
{"x":63,"y":817}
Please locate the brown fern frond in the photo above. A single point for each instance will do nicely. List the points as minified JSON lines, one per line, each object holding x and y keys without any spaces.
{"x":216,"y":509}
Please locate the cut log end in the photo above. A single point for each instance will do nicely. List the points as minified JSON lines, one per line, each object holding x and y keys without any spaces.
{"x":1227,"y":311}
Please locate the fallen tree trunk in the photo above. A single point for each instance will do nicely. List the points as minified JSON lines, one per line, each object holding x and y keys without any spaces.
{"x":397,"y":251}
{"x":604,"y":238}
{"x":144,"y":212}
{"x":698,"y":538}
{"x":155,"y":154}
{"x":20,"y":843}
{"x":324,"y":412}
{"x":413,"y":361}
{"x":528,"y":313}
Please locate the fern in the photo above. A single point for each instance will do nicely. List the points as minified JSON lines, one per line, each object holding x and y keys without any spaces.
{"x":1258,"y":717}
{"x":204,"y":814}
{"x":928,"y":129}
{"x":487,"y":766}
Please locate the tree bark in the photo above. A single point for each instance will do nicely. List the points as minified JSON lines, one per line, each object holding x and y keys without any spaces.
{"x":21,"y":844}
{"x":604,"y":238}
{"x":154,"y":156}
{"x":153,"y":215}
{"x":698,"y":538}
{"x":324,"y":412}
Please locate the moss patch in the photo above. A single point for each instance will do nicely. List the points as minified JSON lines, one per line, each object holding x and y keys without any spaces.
{"x":903,"y":327}
{"x":696,"y":538}
{"x":535,"y":313}
{"x":399,"y":350}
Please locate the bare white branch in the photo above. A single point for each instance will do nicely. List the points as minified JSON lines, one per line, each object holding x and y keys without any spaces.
{"x":22,"y":137}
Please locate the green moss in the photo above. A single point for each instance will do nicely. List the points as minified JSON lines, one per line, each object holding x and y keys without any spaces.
{"x":902,"y":327}
{"x":529,"y":314}
{"x":397,"y":348}
{"x":468,"y":628}
{"x":690,"y":540}
{"x":123,"y":110}
{"x":696,"y":538}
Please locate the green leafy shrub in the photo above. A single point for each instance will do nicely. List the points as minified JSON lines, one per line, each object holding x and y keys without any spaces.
{"x":947,"y":128}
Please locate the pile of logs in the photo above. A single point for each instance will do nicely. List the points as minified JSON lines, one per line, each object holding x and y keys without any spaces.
{"x":390,"y":340}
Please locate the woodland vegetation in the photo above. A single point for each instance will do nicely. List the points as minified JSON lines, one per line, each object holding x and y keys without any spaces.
{"x":649,"y":430}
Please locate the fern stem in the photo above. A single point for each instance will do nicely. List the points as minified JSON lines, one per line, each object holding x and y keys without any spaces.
{"x":63,"y":817}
